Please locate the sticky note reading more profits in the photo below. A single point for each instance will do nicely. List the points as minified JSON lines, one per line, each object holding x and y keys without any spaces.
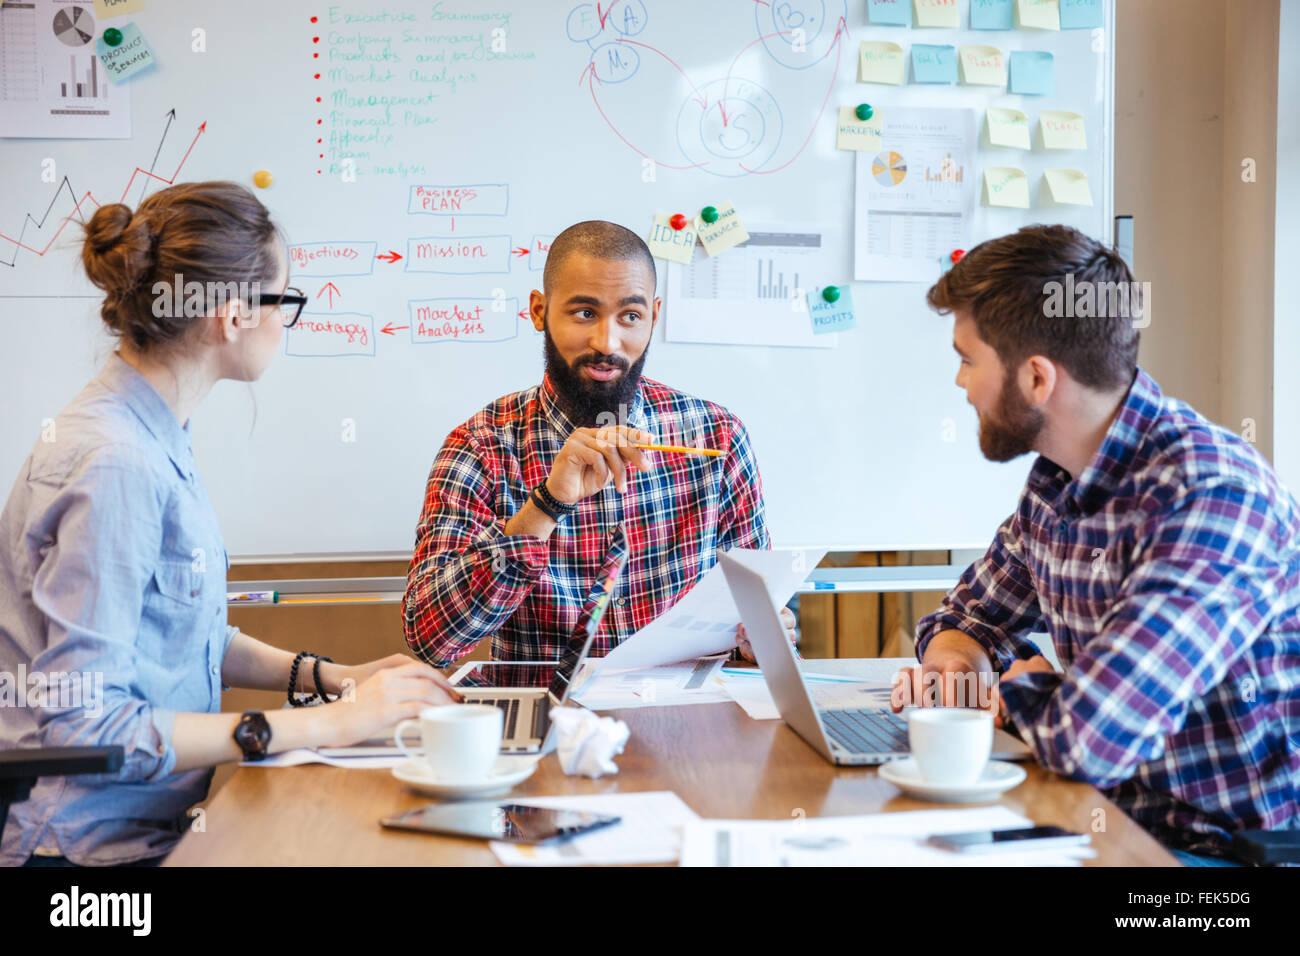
{"x":1039,"y":14}
{"x":933,"y":64}
{"x":1009,"y":128}
{"x":665,"y":242}
{"x":1062,"y":129}
{"x":1068,"y":187}
{"x":723,"y":233}
{"x":837,"y":316}
{"x":1005,"y":186}
{"x":983,"y":66}
{"x":880,"y":61}
{"x":1080,"y":14}
{"x":127,"y":58}
{"x":115,"y":8}
{"x":992,"y":14}
{"x":937,"y":13}
{"x":890,"y":13}
{"x":1032,"y":72}
{"x":853,"y":133}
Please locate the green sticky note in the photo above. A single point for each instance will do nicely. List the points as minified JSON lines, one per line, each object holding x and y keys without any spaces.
{"x":992,"y":15}
{"x":127,"y":58}
{"x":934,"y":64}
{"x":837,"y":316}
{"x":1032,"y":72}
{"x":1079,"y":14}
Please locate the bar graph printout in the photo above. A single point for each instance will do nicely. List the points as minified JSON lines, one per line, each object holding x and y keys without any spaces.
{"x":52,"y":84}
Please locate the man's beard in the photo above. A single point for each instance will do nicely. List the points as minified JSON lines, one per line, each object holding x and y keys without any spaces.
{"x":1013,"y":427}
{"x":588,"y":402}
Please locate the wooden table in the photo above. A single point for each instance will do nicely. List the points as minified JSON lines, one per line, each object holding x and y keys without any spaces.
{"x":718,"y":760}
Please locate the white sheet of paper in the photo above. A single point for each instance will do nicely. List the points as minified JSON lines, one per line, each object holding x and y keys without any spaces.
{"x":879,"y":839}
{"x":670,"y":685}
{"x":303,"y":755}
{"x":650,"y":831}
{"x":704,"y":620}
{"x":751,"y":693}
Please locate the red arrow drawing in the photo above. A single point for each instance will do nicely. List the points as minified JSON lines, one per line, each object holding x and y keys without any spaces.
{"x":331,"y":288}
{"x":519,"y":251}
{"x":523,"y":314}
{"x":390,"y":329}
{"x":389,"y":256}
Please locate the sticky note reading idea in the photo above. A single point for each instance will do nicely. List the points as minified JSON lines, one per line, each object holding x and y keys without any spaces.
{"x":837,"y":316}
{"x":665,"y":242}
{"x":890,"y":13}
{"x":1005,"y":186}
{"x":992,"y":14}
{"x":127,"y":58}
{"x":880,"y":61}
{"x":853,"y":133}
{"x":115,"y":8}
{"x":937,"y":13}
{"x":934,"y":64}
{"x":724,"y":232}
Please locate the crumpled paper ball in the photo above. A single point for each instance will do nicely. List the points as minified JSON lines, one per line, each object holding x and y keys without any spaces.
{"x":585,"y":743}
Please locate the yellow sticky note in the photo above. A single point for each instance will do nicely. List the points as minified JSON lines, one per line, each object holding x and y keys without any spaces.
{"x":1062,"y":129}
{"x":1009,"y":128}
{"x":1039,"y":14}
{"x":937,"y":13}
{"x":726,"y":232}
{"x":115,"y":8}
{"x":982,"y":65}
{"x":880,"y":61}
{"x":853,"y":133}
{"x":1068,"y":187}
{"x":1005,"y":186}
{"x":665,"y":242}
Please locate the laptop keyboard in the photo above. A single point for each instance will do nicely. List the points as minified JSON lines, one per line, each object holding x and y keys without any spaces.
{"x":866,"y":731}
{"x":509,"y":709}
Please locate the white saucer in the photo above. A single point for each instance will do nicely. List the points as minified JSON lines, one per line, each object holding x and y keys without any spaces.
{"x":505,"y":773}
{"x":998,"y":777}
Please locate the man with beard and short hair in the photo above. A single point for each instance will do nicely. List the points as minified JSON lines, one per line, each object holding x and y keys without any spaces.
{"x":1157,"y":549}
{"x":523,"y":497}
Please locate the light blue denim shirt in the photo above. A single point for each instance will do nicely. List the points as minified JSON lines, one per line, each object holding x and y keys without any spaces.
{"x":112,"y":602}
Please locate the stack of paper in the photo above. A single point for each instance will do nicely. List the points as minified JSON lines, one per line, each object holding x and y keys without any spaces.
{"x":669,"y":685}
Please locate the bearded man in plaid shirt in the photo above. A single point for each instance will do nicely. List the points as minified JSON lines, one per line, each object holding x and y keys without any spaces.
{"x":523,"y":497}
{"x":1158,"y":550}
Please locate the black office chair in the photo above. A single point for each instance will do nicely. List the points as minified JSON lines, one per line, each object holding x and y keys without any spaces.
{"x":20,"y":769}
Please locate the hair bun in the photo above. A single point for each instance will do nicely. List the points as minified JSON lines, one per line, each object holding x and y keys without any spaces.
{"x":120,"y":253}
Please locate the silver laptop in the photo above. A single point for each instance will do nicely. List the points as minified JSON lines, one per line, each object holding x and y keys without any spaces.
{"x":848,"y":736}
{"x":526,"y":692}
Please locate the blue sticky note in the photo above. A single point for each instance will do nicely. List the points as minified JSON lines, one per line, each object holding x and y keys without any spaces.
{"x":890,"y":13}
{"x":934,"y":64}
{"x":837,"y":316}
{"x":1032,"y":73}
{"x":992,"y":14}
{"x":1079,"y":14}
{"x":127,"y":58}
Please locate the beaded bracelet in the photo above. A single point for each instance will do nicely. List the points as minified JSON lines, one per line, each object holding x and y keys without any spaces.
{"x":320,"y":687}
{"x":293,"y":681}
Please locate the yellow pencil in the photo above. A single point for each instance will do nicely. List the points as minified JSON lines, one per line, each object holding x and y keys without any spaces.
{"x":681,"y":450}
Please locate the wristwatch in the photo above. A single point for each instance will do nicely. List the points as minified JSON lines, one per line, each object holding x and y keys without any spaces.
{"x":253,"y":734}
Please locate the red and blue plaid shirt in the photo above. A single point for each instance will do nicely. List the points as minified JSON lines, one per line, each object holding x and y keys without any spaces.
{"x":468,"y":580}
{"x":1168,"y":576}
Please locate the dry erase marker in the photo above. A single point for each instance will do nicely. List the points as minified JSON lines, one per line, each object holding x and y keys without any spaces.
{"x":253,"y":597}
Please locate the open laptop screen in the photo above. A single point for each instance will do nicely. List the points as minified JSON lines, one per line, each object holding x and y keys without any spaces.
{"x":602,"y":590}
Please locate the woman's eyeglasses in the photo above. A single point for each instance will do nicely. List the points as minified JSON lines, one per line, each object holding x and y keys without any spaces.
{"x":290,"y":302}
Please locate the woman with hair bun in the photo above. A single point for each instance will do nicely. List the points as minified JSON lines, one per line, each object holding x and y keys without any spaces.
{"x":112,"y":565}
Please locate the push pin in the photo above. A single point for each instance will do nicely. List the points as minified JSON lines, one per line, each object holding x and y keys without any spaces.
{"x":709,"y":214}
{"x":957,"y":255}
{"x":262,"y":178}
{"x":678,"y":222}
{"x":831,"y":293}
{"x":864,"y":112}
{"x":113,"y":36}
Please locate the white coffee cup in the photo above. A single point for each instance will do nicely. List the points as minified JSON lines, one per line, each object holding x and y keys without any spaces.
{"x":461,"y":741}
{"x":951,"y":745}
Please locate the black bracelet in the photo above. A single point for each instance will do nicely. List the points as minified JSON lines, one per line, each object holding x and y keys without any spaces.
{"x":540,"y":504}
{"x":293,"y":682}
{"x":554,"y":506}
{"x":320,"y":687}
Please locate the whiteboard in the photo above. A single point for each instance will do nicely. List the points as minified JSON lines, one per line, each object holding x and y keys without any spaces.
{"x":587,"y":113}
